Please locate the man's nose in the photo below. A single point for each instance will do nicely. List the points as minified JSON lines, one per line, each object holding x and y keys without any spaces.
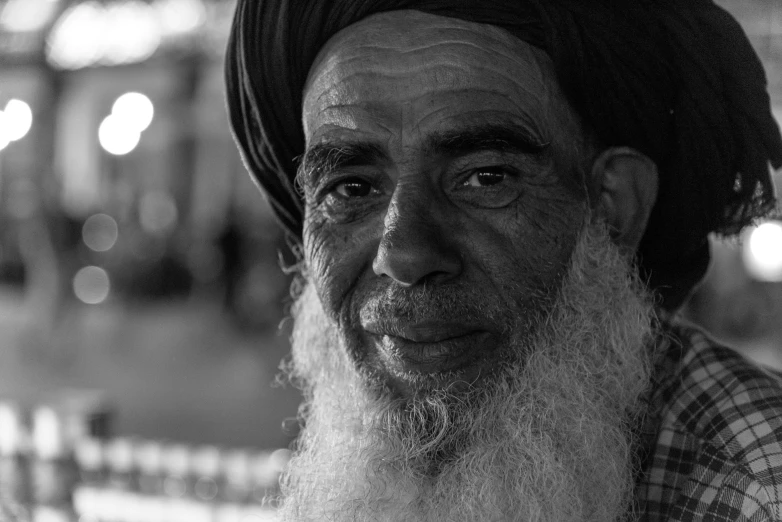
{"x":418,"y":244}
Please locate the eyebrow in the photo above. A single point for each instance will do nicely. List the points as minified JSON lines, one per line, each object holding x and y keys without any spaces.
{"x":501,"y":137}
{"x":326,"y":157}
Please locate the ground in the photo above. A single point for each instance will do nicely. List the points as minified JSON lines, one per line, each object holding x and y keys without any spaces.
{"x":177,"y":370}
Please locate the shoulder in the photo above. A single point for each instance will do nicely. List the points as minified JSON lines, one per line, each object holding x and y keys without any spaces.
{"x":719,"y":395}
{"x":718,"y":446}
{"x":722,"y":398}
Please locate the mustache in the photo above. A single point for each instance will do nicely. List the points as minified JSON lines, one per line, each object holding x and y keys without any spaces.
{"x":433,"y":303}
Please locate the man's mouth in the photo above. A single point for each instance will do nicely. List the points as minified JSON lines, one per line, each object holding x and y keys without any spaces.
{"x":428,"y":347}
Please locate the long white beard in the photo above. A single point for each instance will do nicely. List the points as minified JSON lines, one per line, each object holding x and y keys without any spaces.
{"x":548,"y":439}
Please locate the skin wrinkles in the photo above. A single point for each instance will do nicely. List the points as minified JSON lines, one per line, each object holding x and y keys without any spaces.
{"x":449,"y":73}
{"x":498,"y":142}
{"x":453,"y":55}
{"x":360,"y":85}
{"x":427,"y":241}
{"x":359,"y":59}
{"x":452,"y":40}
{"x":335,"y":120}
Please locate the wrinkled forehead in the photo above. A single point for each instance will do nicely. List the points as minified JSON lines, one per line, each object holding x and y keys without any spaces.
{"x":422,"y":54}
{"x":402,"y":36}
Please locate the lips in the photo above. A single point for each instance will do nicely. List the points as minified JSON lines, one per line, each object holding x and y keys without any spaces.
{"x":427,"y":346}
{"x":421,"y":332}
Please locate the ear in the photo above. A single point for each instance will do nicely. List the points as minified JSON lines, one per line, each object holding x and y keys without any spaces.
{"x":624,"y":187}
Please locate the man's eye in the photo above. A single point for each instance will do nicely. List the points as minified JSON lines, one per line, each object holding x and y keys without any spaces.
{"x":485,"y":178}
{"x":353,"y":188}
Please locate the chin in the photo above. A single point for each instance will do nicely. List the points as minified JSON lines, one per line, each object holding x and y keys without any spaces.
{"x":426,"y":339}
{"x":539,"y":431}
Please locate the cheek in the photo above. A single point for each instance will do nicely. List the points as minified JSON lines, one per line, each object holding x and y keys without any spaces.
{"x":336,"y":258}
{"x":527,"y":253}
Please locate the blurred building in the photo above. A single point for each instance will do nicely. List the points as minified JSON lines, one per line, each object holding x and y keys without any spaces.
{"x":136,"y":256}
{"x":128,"y":169}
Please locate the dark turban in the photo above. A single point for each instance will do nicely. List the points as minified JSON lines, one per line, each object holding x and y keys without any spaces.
{"x":674,"y":79}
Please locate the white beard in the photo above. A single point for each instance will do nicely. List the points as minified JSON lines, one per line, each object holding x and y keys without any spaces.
{"x":546,"y":439}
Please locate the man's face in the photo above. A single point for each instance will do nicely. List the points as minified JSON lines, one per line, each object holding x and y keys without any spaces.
{"x":471,"y":346}
{"x":443,"y":196}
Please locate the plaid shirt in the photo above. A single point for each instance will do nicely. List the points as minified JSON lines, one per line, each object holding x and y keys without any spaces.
{"x":712,"y":441}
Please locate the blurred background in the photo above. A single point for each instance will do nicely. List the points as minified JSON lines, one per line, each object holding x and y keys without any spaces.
{"x":141,"y":296}
{"x":136,"y":256}
{"x":140,"y":270}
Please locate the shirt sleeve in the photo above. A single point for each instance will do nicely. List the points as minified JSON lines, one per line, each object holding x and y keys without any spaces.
{"x":719,"y":491}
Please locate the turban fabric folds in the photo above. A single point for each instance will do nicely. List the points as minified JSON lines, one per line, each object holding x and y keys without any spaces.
{"x":674,"y":79}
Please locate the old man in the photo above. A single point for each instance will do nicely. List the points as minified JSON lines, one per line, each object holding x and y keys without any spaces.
{"x":500,"y":206}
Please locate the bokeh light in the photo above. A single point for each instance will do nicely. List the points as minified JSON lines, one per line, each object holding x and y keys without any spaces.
{"x":50,"y":514}
{"x":90,"y":33}
{"x":117,"y":137}
{"x":131,"y":32}
{"x":181,"y":16}
{"x":135,"y":110}
{"x":91,"y":285}
{"x":47,"y":433}
{"x":22,"y":16}
{"x":763,"y":252}
{"x":280,"y":458}
{"x":19,"y":119}
{"x":85,"y":500}
{"x":76,"y":39}
{"x":157,"y":212}
{"x":5,"y":137}
{"x":100,"y":232}
{"x":229,"y":513}
{"x":10,"y":435}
